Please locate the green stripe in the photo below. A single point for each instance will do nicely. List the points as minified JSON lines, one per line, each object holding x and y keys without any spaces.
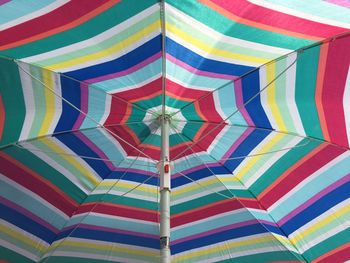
{"x":12,"y":97}
{"x":45,"y":171}
{"x":305,"y":86}
{"x":231,"y":28}
{"x":12,"y":257}
{"x":101,"y":23}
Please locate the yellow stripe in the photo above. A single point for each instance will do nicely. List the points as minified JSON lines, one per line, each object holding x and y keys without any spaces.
{"x":112,"y":247}
{"x":271,"y":96}
{"x":345,"y":211}
{"x":108,"y":51}
{"x":34,"y":244}
{"x":247,"y":170}
{"x":78,"y":166}
{"x":124,"y":185}
{"x":210,"y":49}
{"x":238,"y":245}
{"x":49,"y":102}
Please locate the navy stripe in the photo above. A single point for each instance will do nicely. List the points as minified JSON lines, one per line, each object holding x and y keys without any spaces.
{"x":218,"y":237}
{"x":132,"y":58}
{"x":318,"y":208}
{"x":196,"y":61}
{"x":251,"y":87}
{"x":244,"y":148}
{"x":92,"y":234}
{"x":27,"y":224}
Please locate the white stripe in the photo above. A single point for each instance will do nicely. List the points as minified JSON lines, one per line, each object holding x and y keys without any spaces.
{"x":33,"y":195}
{"x":293,"y":12}
{"x":172,"y":11}
{"x":19,"y":250}
{"x":308,"y":180}
{"x":58,"y":102}
{"x":108,"y":103}
{"x":290,"y":94}
{"x":346,"y":103}
{"x":47,"y":9}
{"x":96,"y":39}
{"x":273,"y":158}
{"x":27,"y":88}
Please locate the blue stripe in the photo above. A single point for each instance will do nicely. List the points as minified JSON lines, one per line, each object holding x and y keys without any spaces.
{"x":204,"y":64}
{"x":27,"y":224}
{"x":244,"y":148}
{"x":318,"y":208}
{"x":80,"y":148}
{"x":92,"y":234}
{"x":132,"y":58}
{"x":218,"y":237}
{"x":251,"y":87}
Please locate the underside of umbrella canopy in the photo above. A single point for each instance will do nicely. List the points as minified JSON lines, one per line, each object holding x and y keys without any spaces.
{"x":256,"y":98}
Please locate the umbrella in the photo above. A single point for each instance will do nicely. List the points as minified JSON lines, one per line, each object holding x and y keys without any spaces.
{"x":182,"y":131}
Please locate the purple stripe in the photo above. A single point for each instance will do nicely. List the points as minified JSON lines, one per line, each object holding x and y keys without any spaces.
{"x":28,"y":214}
{"x":344,"y":3}
{"x":84,"y":91}
{"x":214,"y":231}
{"x":312,"y":200}
{"x":199,"y":72}
{"x":238,"y":142}
{"x":95,"y":149}
{"x":4,"y":1}
{"x":111,"y":230}
{"x":127,"y":71}
{"x":239,"y":102}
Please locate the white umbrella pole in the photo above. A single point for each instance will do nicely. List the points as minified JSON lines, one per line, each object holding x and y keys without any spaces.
{"x":164,"y":168}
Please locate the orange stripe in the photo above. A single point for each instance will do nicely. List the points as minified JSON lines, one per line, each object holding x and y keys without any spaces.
{"x":60,"y":29}
{"x":250,"y":23}
{"x":2,"y":117}
{"x":291,"y":169}
{"x":332,"y":252}
{"x":319,"y":89}
{"x":177,"y":97}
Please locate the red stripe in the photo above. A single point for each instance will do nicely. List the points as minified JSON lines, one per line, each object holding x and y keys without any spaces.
{"x":337,"y":67}
{"x":151,"y":89}
{"x":63,"y":18}
{"x":180,"y":92}
{"x":120,"y":210}
{"x":212,"y":210}
{"x":340,"y":254}
{"x":2,"y":117}
{"x":299,"y":172}
{"x":32,"y":181}
{"x":271,"y":20}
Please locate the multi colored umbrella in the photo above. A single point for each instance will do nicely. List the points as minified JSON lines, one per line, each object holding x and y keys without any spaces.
{"x":179,"y":130}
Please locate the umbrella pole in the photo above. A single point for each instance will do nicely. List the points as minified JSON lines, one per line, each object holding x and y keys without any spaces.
{"x":164,"y":168}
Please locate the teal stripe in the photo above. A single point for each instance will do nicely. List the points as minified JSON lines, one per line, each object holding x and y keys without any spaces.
{"x":230,"y":28}
{"x":305,"y":86}
{"x":13,"y":257}
{"x":13,"y":101}
{"x":111,"y":17}
{"x":18,"y":8}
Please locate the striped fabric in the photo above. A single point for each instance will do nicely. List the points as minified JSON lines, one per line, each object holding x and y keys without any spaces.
{"x":259,"y":97}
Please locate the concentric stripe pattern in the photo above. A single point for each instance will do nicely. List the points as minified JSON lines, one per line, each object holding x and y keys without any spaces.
{"x":258,"y":93}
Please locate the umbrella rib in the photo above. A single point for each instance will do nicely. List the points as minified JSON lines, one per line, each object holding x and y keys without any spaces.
{"x":91,"y":210}
{"x":235,"y":197}
{"x":86,"y":115}
{"x":81,"y":82}
{"x":238,"y":109}
{"x":326,"y":40}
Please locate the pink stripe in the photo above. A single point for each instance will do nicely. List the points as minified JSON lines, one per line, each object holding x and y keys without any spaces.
{"x":127,"y":71}
{"x":84,"y":91}
{"x":344,"y":3}
{"x":305,"y":205}
{"x":199,"y":72}
{"x":95,"y":149}
{"x":4,"y":1}
{"x":214,"y":231}
{"x":238,"y":142}
{"x":28,"y":214}
{"x":239,"y":102}
{"x":111,"y":230}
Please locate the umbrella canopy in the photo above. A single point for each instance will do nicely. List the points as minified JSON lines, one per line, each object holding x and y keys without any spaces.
{"x":257,"y":97}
